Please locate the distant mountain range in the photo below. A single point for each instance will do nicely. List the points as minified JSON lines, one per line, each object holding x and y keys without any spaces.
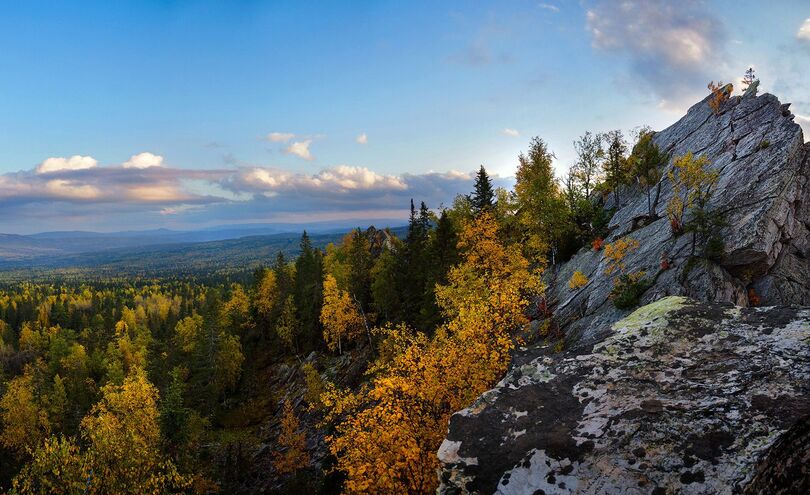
{"x":163,"y":251}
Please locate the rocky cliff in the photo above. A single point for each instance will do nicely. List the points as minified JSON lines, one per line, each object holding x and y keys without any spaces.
{"x":695,"y":392}
{"x":762,"y":193}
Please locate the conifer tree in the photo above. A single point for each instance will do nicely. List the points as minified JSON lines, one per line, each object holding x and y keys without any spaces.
{"x":309,"y":290}
{"x":483,"y":197}
{"x":615,"y":163}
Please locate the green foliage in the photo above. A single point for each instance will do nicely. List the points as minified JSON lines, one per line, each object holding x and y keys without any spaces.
{"x":647,"y":162}
{"x":615,"y":165}
{"x":542,"y":213}
{"x":628,"y":289}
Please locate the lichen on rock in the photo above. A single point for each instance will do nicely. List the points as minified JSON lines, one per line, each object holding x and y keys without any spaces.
{"x":688,"y":396}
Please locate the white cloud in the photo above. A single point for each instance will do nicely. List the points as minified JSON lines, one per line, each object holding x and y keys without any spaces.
{"x":672,"y":48}
{"x":335,"y":179}
{"x":510,"y":132}
{"x":144,"y":160}
{"x":549,"y":7}
{"x":804,"y":31}
{"x":362,"y":139}
{"x":75,"y":162}
{"x":300,"y":149}
{"x":68,"y":189}
{"x":279,"y":137}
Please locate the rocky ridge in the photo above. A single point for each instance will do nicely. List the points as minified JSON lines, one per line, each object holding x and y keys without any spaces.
{"x":695,"y":393}
{"x":762,"y":193}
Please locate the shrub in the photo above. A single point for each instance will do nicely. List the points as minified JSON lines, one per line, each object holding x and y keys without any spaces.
{"x":596,"y":244}
{"x":628,"y":289}
{"x":578,"y":280}
{"x":720,"y":94}
{"x":616,"y":251}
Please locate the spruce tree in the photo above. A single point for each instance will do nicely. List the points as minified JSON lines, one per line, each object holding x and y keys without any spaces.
{"x":483,"y":197}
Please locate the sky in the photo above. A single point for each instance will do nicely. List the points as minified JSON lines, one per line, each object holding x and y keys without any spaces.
{"x":190,"y":114}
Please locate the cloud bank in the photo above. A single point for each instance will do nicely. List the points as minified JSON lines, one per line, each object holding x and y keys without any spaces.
{"x":143,"y":192}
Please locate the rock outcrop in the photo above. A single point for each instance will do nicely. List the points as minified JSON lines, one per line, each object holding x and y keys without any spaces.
{"x":695,"y":393}
{"x":682,"y":397}
{"x":763,"y":195}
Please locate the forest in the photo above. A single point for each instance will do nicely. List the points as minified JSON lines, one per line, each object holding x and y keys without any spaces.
{"x":330,"y":371}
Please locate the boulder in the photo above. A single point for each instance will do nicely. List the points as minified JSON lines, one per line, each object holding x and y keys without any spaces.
{"x":681,"y":396}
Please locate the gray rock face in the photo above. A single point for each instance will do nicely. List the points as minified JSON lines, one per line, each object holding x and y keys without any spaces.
{"x":695,"y":393}
{"x":762,"y":192}
{"x":681,"y":397}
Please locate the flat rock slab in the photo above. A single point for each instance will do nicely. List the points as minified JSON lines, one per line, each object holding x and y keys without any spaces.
{"x":681,"y":397}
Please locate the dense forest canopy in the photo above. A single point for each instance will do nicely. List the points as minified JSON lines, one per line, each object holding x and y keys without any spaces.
{"x":334,"y":370}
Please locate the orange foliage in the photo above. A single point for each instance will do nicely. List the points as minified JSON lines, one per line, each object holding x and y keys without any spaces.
{"x":293,"y":454}
{"x":597,"y":243}
{"x":615,"y":253}
{"x":387,"y":434}
{"x":720,"y":94}
{"x":578,"y":280}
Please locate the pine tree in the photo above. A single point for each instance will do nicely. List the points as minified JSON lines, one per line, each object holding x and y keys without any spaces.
{"x":483,"y":197}
{"x":442,"y":254}
{"x":615,"y":164}
{"x":411,"y":276}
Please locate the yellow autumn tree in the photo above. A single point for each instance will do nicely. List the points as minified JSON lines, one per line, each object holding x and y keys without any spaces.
{"x":688,"y":177}
{"x":339,"y":316}
{"x":288,"y":326}
{"x":24,"y":421}
{"x":235,"y":313}
{"x":267,"y":295}
{"x":387,"y":434}
{"x":228,"y":360}
{"x":55,"y":468}
{"x":315,"y":385}
{"x":292,"y":442}
{"x":123,"y":433}
{"x":187,"y":331}
{"x":123,"y":453}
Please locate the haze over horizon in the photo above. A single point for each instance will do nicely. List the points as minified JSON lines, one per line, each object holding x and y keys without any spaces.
{"x":145,"y":115}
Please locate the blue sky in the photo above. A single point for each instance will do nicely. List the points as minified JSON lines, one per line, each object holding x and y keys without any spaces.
{"x":121,"y":115}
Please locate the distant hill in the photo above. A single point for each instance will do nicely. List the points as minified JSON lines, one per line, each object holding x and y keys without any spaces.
{"x":58,"y":254}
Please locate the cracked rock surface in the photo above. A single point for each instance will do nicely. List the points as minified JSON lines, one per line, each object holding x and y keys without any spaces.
{"x":694,"y":393}
{"x":681,"y":396}
{"x":763,"y":194}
